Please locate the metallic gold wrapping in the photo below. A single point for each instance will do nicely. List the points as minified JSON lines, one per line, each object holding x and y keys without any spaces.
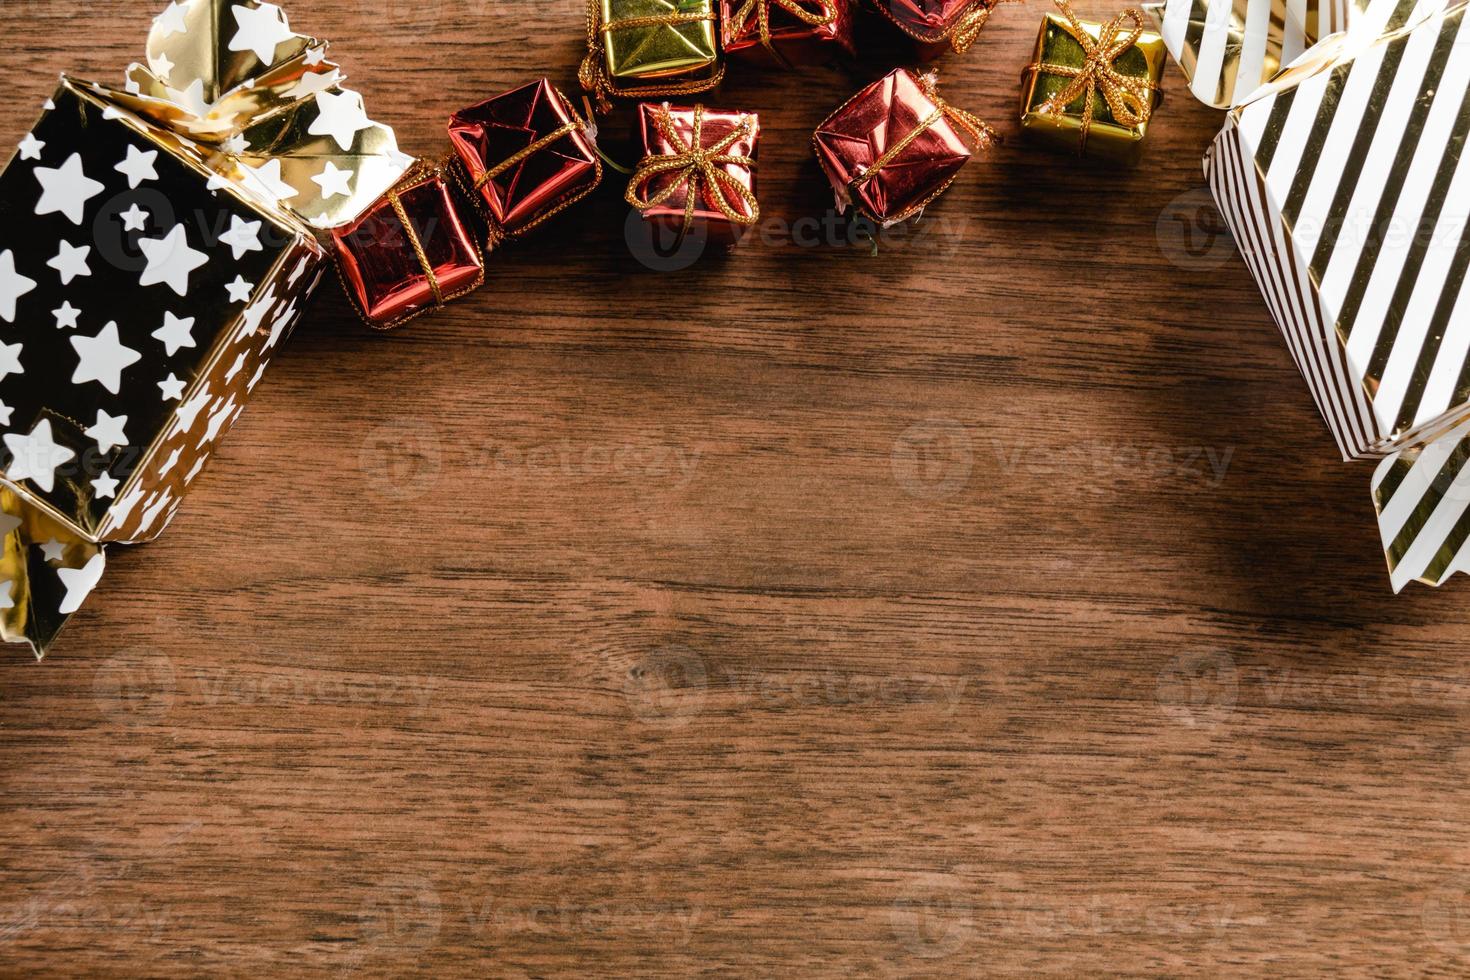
{"x":651,"y":48}
{"x":1102,"y":135}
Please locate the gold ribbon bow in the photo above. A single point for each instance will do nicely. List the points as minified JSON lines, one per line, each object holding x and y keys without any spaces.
{"x":966,"y":30}
{"x":982,"y":136}
{"x":692,"y":163}
{"x":826,"y":14}
{"x":593,"y":72}
{"x":1130,"y":100}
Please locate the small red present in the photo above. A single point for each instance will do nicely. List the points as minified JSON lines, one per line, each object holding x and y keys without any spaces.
{"x":937,"y":26}
{"x":788,"y":31}
{"x":409,"y":252}
{"x":893,"y":148}
{"x":698,"y":171}
{"x":523,"y":157}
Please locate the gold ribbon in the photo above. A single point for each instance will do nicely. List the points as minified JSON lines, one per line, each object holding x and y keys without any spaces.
{"x":1130,"y":100}
{"x":534,"y":148}
{"x":966,"y":30}
{"x":593,"y":72}
{"x":762,"y":11}
{"x":982,"y":136}
{"x":691,"y":163}
{"x":418,"y":246}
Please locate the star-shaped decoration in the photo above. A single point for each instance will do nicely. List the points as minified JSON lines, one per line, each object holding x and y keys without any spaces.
{"x":108,"y":431}
{"x":255,"y":313}
{"x":191,"y":97}
{"x":266,"y":180}
{"x":217,"y":420}
{"x":71,"y":262}
{"x":80,"y":582}
{"x":189,"y":410}
{"x":66,"y":189}
{"x":171,"y":21}
{"x":172,"y":388}
{"x":137,"y":166}
{"x":170,"y":463}
{"x":8,"y":523}
{"x":154,"y":508}
{"x":313,"y":82}
{"x":30,"y":147}
{"x":53,"y":550}
{"x":280,"y":324}
{"x":261,"y":31}
{"x":10,"y":360}
{"x":102,"y":358}
{"x":161,"y":66}
{"x":66,"y":316}
{"x":7,"y":597}
{"x":342,"y":117}
{"x":315,"y":55}
{"x":235,"y":145}
{"x":104,"y":487}
{"x":134,"y":219}
{"x":170,"y":260}
{"x":255,"y":378}
{"x":13,"y":286}
{"x":175,"y":333}
{"x":5,"y":412}
{"x":235,"y":368}
{"x":243,"y":236}
{"x":240,"y":290}
{"x":334,"y":181}
{"x":36,"y":456}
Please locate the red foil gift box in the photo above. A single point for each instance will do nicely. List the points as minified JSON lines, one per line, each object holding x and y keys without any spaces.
{"x":787,"y":31}
{"x":937,"y":26}
{"x":408,"y":253}
{"x":698,"y":171}
{"x":894,"y":147}
{"x":523,"y":157}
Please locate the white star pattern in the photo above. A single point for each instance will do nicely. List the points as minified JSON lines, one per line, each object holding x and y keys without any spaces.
{"x":7,"y":599}
{"x":281,"y":323}
{"x":243,"y":236}
{"x":235,"y":145}
{"x":108,"y":431}
{"x":71,"y":262}
{"x":261,"y":31}
{"x":255,"y":378}
{"x":342,"y":117}
{"x":36,"y":456}
{"x":170,"y":260}
{"x":255,"y":312}
{"x":175,"y":333}
{"x":266,"y":181}
{"x":191,"y":97}
{"x":53,"y":550}
{"x":194,"y":470}
{"x":10,"y":360}
{"x":297,"y":272}
{"x":334,"y":181}
{"x":8,"y":523}
{"x":315,"y":55}
{"x":189,"y":410}
{"x":80,"y":582}
{"x":217,"y":421}
{"x":13,"y":286}
{"x":102,"y":358}
{"x":170,"y":463}
{"x":66,"y":189}
{"x":5,"y":412}
{"x":30,"y":147}
{"x":124,"y":506}
{"x":314,"y":82}
{"x":137,"y":166}
{"x":235,"y":368}
{"x":171,"y":21}
{"x":161,"y":66}
{"x":104,"y":487}
{"x":134,"y":219}
{"x":239,"y":290}
{"x":66,"y":316}
{"x":172,"y":388}
{"x":154,"y":508}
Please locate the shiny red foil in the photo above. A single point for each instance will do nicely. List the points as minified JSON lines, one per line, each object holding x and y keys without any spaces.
{"x":718,"y":123}
{"x":380,"y":267}
{"x":486,"y":135}
{"x":798,"y":42}
{"x":927,"y":19}
{"x":861,"y":131}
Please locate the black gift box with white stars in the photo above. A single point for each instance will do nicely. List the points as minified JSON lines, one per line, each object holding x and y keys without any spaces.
{"x":141,"y":297}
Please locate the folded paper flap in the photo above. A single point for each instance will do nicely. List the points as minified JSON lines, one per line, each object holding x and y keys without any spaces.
{"x":230,"y":74}
{"x":1422,"y":496}
{"x":46,"y":571}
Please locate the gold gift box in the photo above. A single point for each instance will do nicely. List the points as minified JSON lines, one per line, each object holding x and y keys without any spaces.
{"x":658,"y":51}
{"x":1107,"y":139}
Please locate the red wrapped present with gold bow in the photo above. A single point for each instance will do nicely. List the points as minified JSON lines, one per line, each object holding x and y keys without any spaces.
{"x":787,"y":32}
{"x":893,"y":148}
{"x":409,"y":253}
{"x":937,"y":26}
{"x":698,"y":170}
{"x":523,"y":157}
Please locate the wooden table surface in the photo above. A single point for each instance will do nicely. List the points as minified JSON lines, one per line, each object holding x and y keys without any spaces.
{"x":995,"y":604}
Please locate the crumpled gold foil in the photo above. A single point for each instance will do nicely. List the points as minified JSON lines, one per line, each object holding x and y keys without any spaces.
{"x":267,"y":105}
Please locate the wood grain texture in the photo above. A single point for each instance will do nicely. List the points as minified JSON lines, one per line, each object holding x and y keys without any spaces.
{"x":994,"y":605}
